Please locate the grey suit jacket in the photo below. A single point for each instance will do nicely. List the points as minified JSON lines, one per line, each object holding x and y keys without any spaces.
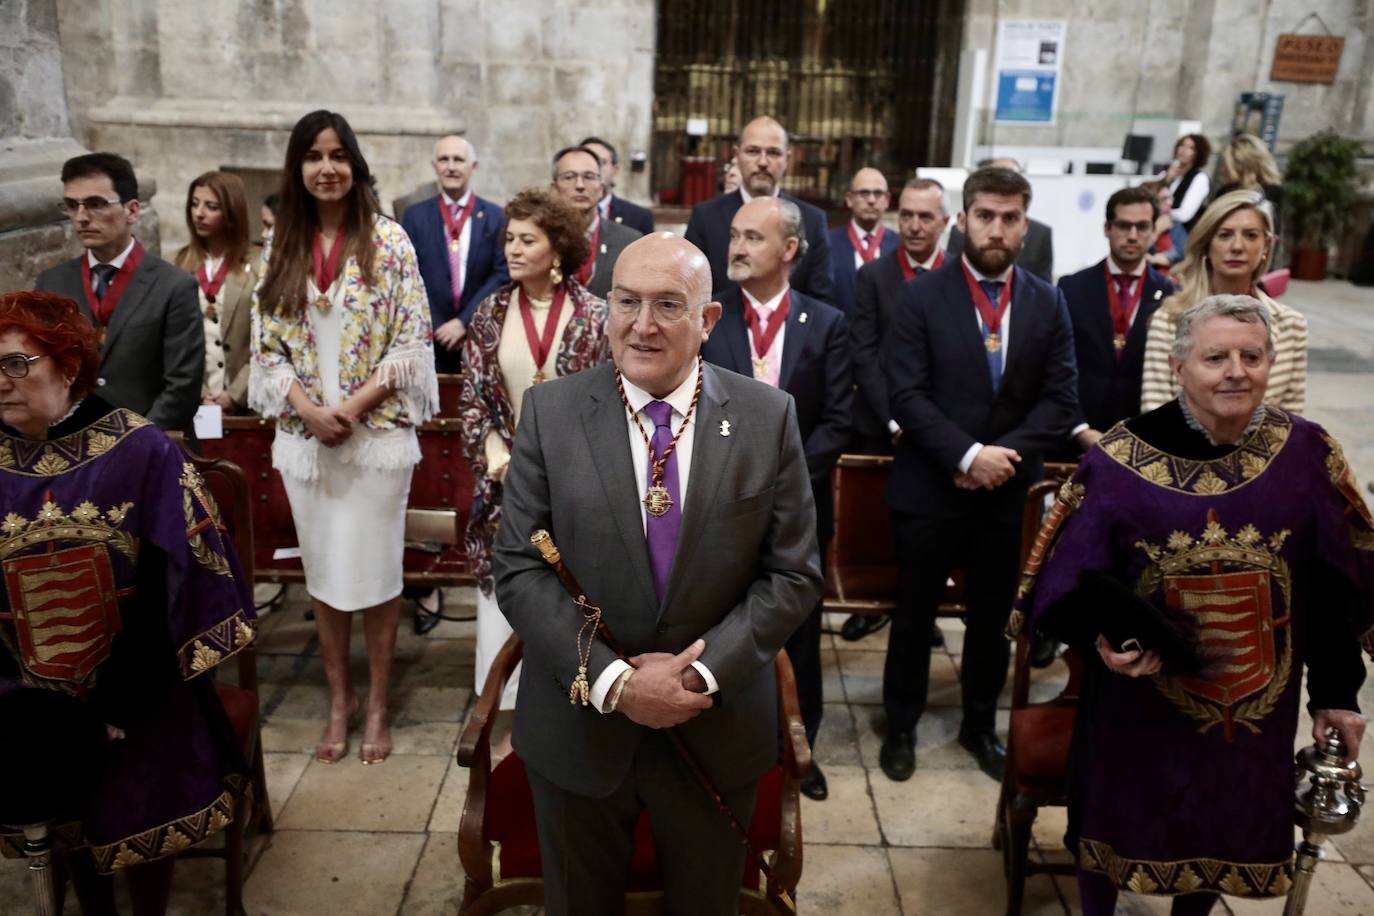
{"x":745,"y":574}
{"x":614,"y":239}
{"x":1037,"y":251}
{"x":153,"y":359}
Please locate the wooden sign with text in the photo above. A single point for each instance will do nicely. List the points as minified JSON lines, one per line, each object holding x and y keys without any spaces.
{"x":1307,"y":58}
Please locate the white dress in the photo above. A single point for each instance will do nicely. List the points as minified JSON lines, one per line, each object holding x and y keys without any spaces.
{"x":350,"y":520}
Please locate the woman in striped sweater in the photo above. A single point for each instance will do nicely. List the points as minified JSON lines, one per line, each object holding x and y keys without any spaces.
{"x":1227,"y":252}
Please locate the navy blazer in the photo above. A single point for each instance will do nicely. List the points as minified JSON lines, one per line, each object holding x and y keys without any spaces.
{"x":941,"y":393}
{"x":631,"y":214}
{"x":815,"y":370}
{"x":485,"y":269}
{"x":1108,"y":388}
{"x":842,"y":269}
{"x":708,"y":228}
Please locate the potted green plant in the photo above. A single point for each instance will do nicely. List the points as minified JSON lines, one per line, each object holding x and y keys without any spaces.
{"x":1319,"y":190}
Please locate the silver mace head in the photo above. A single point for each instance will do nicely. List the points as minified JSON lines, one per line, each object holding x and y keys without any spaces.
{"x":1329,"y":800}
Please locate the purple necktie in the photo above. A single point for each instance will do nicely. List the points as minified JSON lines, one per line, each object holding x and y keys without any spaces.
{"x":661,"y":531}
{"x":455,"y":266}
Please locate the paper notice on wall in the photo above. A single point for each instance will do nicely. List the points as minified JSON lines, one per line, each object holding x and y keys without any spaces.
{"x":1030,"y":53}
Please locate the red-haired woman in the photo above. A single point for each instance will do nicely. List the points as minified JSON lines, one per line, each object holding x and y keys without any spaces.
{"x":218,"y":257}
{"x":342,"y":359}
{"x":122,"y":592}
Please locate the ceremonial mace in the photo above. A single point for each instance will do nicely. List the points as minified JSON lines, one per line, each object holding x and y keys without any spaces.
{"x":542,"y":540}
{"x":1328,"y":804}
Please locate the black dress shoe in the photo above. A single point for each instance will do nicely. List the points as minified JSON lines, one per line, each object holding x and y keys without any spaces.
{"x":898,"y":756}
{"x":813,"y":786}
{"x":427,"y":620}
{"x":987,"y":749}
{"x":937,"y":636}
{"x":1042,"y":650}
{"x":857,"y":627}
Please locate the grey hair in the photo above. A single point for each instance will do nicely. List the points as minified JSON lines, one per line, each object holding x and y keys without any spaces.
{"x":792,"y":227}
{"x":472,"y":150}
{"x":1242,"y":308}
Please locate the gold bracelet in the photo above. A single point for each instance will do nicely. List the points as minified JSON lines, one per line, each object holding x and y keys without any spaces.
{"x":618,"y":688}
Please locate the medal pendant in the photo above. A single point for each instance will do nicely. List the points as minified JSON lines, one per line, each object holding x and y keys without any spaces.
{"x":453,"y":246}
{"x":760,"y":366}
{"x":539,"y":376}
{"x":658,"y":501}
{"x":210,"y":311}
{"x":1119,"y":342}
{"x":322,"y":303}
{"x":993,"y":343}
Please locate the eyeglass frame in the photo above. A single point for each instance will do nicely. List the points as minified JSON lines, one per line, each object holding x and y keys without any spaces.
{"x":570,"y":177}
{"x":614,"y":297}
{"x":69,"y":207}
{"x":18,"y":359}
{"x":1125,"y":226}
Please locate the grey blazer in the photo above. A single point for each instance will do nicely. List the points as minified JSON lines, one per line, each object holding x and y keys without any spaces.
{"x":153,"y":359}
{"x":614,"y":239}
{"x":745,"y":574}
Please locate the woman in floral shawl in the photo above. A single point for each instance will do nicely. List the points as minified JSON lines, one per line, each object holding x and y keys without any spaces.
{"x":545,"y":246}
{"x":342,"y":359}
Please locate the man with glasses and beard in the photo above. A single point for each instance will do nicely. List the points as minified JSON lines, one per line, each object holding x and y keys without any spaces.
{"x":981,"y":381}
{"x":147,"y":312}
{"x":763,"y":155}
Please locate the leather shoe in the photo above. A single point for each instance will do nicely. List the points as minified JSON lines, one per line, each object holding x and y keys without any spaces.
{"x":898,"y":755}
{"x":937,"y":637}
{"x":1042,"y":650}
{"x":426,"y":620}
{"x":857,"y":626}
{"x":990,"y":753}
{"x":814,"y":786}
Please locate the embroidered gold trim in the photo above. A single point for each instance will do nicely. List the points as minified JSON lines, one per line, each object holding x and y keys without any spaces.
{"x":1066,"y":502}
{"x":83,"y":523}
{"x":1186,"y":876}
{"x":51,"y":457}
{"x":193,"y":490}
{"x":213,"y":647}
{"x":1202,"y":478}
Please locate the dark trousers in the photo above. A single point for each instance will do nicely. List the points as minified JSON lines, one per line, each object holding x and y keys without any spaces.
{"x":586,"y":843}
{"x":804,"y":652}
{"x":928,"y":549}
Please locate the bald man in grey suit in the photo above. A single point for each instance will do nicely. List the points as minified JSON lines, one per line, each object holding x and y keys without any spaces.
{"x":705,"y":593}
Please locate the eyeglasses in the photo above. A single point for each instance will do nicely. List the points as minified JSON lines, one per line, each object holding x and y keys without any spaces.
{"x":666,"y":311}
{"x":1124,"y":227}
{"x":93,"y":205}
{"x":758,"y":152}
{"x":16,"y":365}
{"x":869,"y":194}
{"x":571,"y":177}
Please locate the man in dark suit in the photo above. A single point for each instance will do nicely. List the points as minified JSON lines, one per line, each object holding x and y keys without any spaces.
{"x":613,"y":207}
{"x":152,"y":351}
{"x":762,"y":154}
{"x":861,"y":240}
{"x":1110,"y":304}
{"x":772,"y":333}
{"x":981,"y":379}
{"x":459,"y":243}
{"x":577,"y":177}
{"x":1037,"y":250}
{"x":712,"y":557}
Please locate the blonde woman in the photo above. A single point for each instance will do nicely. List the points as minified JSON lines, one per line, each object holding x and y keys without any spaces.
{"x":1247,"y":165}
{"x":1228,"y":251}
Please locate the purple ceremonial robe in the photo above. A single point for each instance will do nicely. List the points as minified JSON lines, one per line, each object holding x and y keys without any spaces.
{"x":1184,"y":783}
{"x":121,"y":589}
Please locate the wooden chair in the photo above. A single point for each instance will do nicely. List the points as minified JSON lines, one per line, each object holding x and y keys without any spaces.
{"x":1038,"y":744}
{"x":498,"y":846}
{"x":229,"y":488}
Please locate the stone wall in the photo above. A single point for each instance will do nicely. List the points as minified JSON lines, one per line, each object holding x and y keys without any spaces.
{"x":183,"y":86}
{"x":1184,"y":59}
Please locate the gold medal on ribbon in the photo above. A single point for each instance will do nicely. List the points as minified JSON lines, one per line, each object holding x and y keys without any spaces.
{"x":538,"y":376}
{"x":1119,"y":342}
{"x":322,"y":303}
{"x":658,"y":501}
{"x":760,"y":366}
{"x":993,"y":342}
{"x":453,"y":246}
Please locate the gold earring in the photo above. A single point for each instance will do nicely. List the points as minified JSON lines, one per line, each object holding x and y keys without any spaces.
{"x":555,"y":275}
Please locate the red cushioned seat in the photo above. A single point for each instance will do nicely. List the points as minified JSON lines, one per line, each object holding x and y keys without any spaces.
{"x":241,"y":706}
{"x":1041,"y":736}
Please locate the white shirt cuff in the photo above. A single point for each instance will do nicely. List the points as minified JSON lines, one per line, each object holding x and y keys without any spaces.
{"x":605,"y":681}
{"x":708,"y":677}
{"x":966,"y":462}
{"x":893,"y":428}
{"x":1078,"y":429}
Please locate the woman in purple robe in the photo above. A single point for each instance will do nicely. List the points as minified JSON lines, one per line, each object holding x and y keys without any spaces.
{"x":119,"y":590}
{"x":1239,"y":526}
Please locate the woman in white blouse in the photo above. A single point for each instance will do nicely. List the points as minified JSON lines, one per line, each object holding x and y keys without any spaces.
{"x":1188,"y":182}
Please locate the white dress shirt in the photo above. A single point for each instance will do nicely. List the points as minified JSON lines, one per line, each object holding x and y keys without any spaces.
{"x":681,"y":401}
{"x":1004,"y":333}
{"x":117,"y":262}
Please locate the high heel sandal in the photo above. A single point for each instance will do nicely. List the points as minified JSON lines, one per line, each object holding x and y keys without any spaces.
{"x":369,"y":754}
{"x":334,"y":751}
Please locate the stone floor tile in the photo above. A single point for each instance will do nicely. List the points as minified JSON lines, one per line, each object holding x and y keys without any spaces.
{"x":937,"y":745}
{"x":1337,"y":890}
{"x":952,"y":808}
{"x":459,"y":650}
{"x":964,"y":882}
{"x":437,"y":888}
{"x":832,"y":683}
{"x":845,"y":817}
{"x":953,"y":628}
{"x":283,"y":773}
{"x":291,"y":736}
{"x":424,"y":738}
{"x":303,"y":701}
{"x":836,"y":742}
{"x":429,"y":704}
{"x":846,"y":881}
{"x":197,"y":888}
{"x":285,"y":632}
{"x":396,"y":795}
{"x":863,"y":675}
{"x":332,"y":872}
{"x":448,"y":807}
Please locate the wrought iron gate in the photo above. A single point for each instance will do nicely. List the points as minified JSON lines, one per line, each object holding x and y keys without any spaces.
{"x":856,"y":82}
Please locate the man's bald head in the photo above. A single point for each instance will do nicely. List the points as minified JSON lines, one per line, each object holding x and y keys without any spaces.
{"x":762,"y":154}
{"x":867,"y":197}
{"x":454,"y":161}
{"x":668,"y":252}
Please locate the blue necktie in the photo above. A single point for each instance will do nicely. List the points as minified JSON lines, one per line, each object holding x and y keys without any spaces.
{"x":104,"y":273}
{"x":992,"y":289}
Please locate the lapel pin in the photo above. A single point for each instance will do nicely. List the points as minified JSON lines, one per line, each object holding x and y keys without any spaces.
{"x":725,"y":427}
{"x":603,"y":247}
{"x":480,"y":214}
{"x":801,"y":319}
{"x":1159,"y":294}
